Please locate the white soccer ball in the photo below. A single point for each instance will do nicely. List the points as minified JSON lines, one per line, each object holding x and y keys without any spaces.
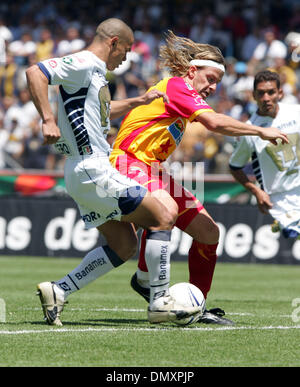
{"x":188,"y":295}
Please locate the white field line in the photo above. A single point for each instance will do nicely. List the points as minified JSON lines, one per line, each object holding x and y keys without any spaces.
{"x":134,"y":329}
{"x":131,"y":310}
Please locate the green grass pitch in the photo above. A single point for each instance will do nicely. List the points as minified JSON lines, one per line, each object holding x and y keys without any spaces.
{"x":105,"y":324}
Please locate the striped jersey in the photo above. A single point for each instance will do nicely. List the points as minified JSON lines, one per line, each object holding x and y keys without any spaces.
{"x":151,"y":132}
{"x":277,"y":168}
{"x":83,"y":102}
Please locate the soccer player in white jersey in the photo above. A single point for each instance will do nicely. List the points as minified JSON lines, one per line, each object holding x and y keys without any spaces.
{"x":277,"y":168}
{"x":106,"y":199}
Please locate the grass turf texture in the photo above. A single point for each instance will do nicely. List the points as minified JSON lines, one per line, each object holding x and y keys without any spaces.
{"x":105,"y":324}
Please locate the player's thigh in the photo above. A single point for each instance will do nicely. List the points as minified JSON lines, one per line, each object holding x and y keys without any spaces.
{"x":153,"y":214}
{"x":203,"y":228}
{"x":192,"y":216}
{"x":121,"y":238}
{"x":166,"y":199}
{"x":158,"y":210}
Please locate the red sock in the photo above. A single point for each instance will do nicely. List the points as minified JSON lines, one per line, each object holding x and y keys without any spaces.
{"x":202,"y":262}
{"x":142,"y":262}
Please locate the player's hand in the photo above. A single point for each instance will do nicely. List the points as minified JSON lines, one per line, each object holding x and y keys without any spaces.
{"x":154,"y":94}
{"x":272,"y":134}
{"x":263,"y":202}
{"x":51,"y":133}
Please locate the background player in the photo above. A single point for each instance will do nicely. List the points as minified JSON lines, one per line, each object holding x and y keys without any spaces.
{"x":103,"y":195}
{"x":149,"y":134}
{"x":277,"y":168}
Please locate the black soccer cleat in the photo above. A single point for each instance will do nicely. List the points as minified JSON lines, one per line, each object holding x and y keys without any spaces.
{"x":144,"y":292}
{"x":215,"y":316}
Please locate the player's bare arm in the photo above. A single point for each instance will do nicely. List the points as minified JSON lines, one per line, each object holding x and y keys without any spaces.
{"x":122,"y":107}
{"x":38,"y":88}
{"x":228,"y":126}
{"x":263,"y":199}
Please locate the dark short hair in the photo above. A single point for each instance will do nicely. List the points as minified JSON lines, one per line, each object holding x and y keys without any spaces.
{"x":265,"y":76}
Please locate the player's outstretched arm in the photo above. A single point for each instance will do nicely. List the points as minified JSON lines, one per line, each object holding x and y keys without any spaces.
{"x":228,"y":126}
{"x":38,"y":88}
{"x":263,"y":199}
{"x":122,"y":107}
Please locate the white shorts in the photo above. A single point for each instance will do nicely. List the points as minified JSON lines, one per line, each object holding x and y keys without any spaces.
{"x":286,"y":209}
{"x":100,"y":191}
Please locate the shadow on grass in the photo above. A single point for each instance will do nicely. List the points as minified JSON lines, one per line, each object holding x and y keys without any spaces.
{"x":107,"y":322}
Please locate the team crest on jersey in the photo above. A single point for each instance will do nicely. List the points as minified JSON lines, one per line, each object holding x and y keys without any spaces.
{"x":177,"y":130}
{"x":67,"y":59}
{"x":87,"y":150}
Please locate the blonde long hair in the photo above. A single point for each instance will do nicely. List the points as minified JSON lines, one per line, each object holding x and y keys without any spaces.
{"x":179,"y":51}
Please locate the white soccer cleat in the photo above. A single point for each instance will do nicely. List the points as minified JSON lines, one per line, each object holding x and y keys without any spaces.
{"x":171,"y":311}
{"x":52,"y":302}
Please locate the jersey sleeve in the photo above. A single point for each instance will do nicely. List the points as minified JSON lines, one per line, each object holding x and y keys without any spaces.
{"x":71,"y":71}
{"x":184,"y":100}
{"x":242,"y":153}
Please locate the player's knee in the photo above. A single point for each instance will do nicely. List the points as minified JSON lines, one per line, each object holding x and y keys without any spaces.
{"x":172,"y":216}
{"x":213,"y":232}
{"x":166,"y":219}
{"x":169,"y":216}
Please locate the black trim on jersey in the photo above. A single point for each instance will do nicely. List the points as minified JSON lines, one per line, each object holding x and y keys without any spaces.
{"x":256,"y":169}
{"x":74,"y":104}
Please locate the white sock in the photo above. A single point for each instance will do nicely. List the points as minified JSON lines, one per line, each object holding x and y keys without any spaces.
{"x":157,"y":255}
{"x":95,"y":264}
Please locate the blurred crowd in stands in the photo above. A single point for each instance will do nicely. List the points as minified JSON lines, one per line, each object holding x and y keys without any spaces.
{"x":252,"y":35}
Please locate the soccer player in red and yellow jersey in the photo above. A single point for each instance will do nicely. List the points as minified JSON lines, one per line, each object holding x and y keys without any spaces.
{"x":150,"y":133}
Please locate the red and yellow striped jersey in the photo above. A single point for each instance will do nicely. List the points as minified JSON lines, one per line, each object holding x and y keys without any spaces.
{"x":152,"y":132}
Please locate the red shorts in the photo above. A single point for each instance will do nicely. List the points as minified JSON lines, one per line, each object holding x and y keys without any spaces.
{"x":153,"y":178}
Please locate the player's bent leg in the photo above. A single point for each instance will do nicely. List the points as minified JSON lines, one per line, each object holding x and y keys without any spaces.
{"x":202,"y":256}
{"x":121,"y":239}
{"x":153,"y":216}
{"x":146,"y":242}
{"x":162,"y":307}
{"x":160,"y":207}
{"x":203,"y":228}
{"x":202,"y":259}
{"x":151,"y":213}
{"x":202,"y":262}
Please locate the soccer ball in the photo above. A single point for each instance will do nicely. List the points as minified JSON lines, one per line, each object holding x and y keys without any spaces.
{"x":188,"y":295}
